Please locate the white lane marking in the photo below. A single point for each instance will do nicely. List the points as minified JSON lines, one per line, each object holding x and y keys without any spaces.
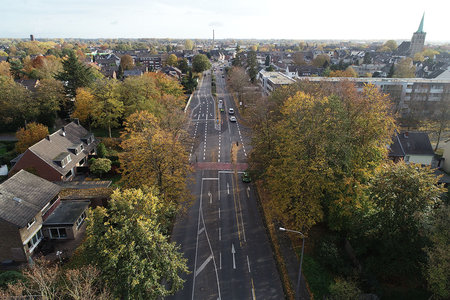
{"x":220,"y":234}
{"x":248,"y":192}
{"x":233,"y":251}
{"x":220,"y":260}
{"x":248,"y":263}
{"x":203,"y":265}
{"x":201,"y":230}
{"x":196,"y":244}
{"x":228,"y":188}
{"x":219,"y":212}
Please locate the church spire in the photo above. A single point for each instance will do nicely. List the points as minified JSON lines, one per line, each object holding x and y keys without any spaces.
{"x":420,"y":30}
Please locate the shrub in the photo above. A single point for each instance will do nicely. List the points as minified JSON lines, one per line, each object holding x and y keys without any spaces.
{"x":100,"y":166}
{"x":10,"y":277}
{"x":344,"y":290}
{"x":101,"y":150}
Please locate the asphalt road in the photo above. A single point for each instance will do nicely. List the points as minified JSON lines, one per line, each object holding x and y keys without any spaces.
{"x":222,"y":234}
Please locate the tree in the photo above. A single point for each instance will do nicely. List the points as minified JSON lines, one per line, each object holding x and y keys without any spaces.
{"x":84,"y":106}
{"x":49,"y":97}
{"x":405,"y":69}
{"x":127,"y":62}
{"x":189,"y":45}
{"x":344,"y":290}
{"x":16,"y":105}
{"x":47,"y":67}
{"x":74,"y":75}
{"x":30,"y":135}
{"x":267,"y":62}
{"x":183,"y":65}
{"x":367,"y":58}
{"x":391,"y":71}
{"x":299,"y":59}
{"x":100,"y":166}
{"x":238,"y":80}
{"x":349,"y":72}
{"x":189,"y":83}
{"x":402,"y":196}
{"x":5,"y":69}
{"x":125,"y":241}
{"x":314,"y":129}
{"x":101,"y":150}
{"x":252,"y":65}
{"x":153,"y":156}
{"x":391,"y":45}
{"x":172,"y":60}
{"x":437,"y":268}
{"x":321,"y":60}
{"x":200,"y":63}
{"x":108,"y":108}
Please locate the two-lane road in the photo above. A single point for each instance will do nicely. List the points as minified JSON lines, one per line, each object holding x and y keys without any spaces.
{"x":222,"y":234}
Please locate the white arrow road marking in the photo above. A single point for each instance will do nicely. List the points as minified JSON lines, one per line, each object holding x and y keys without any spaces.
{"x":233,"y":252}
{"x":248,"y":263}
{"x":248,"y":192}
{"x":210,"y":197}
{"x":203,"y":265}
{"x":201,"y":230}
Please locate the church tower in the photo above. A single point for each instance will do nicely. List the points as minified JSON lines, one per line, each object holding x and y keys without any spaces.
{"x":417,"y":40}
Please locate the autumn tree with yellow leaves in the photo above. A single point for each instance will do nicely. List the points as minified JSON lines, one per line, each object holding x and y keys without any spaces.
{"x":325,"y":141}
{"x":153,"y":156}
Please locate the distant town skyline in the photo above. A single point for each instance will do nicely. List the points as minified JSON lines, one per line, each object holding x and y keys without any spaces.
{"x":249,"y":19}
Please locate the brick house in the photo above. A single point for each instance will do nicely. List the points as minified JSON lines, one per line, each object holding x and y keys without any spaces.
{"x":58,"y":156}
{"x":31,"y":210}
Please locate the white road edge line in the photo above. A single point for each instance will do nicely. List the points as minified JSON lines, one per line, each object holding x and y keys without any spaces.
{"x":248,"y":263}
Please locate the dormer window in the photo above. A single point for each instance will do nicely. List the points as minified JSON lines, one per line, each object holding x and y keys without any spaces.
{"x":76,"y":149}
{"x":29,"y":224}
{"x":63,"y":159}
{"x":88,"y":139}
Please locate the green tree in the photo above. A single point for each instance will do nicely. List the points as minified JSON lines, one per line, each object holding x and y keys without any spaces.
{"x":125,"y":242}
{"x":200,"y":63}
{"x":74,"y":75}
{"x":100,"y":166}
{"x":367,"y":58}
{"x":267,"y":62}
{"x":172,"y":60}
{"x":321,"y":60}
{"x":49,"y":97}
{"x":405,"y":69}
{"x":183,"y":65}
{"x":101,"y":150}
{"x":252,"y":65}
{"x":401,"y":196}
{"x":344,"y":290}
{"x":85,"y":106}
{"x":108,"y":109}
{"x":188,"y":45}
{"x":189,"y":83}
{"x":437,"y":268}
{"x":391,"y":45}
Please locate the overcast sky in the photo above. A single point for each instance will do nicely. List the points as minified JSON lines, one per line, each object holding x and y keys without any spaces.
{"x":260,"y":19}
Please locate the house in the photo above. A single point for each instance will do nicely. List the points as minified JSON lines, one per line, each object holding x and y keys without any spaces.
{"x":412,"y":147}
{"x":31,"y":210}
{"x":269,"y":81}
{"x":172,"y":72}
{"x":59,"y":156}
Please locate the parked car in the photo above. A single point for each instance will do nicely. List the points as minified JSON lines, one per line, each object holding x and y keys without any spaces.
{"x":233,"y":119}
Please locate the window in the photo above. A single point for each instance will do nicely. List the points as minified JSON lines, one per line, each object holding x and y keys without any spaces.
{"x":35,"y":240}
{"x":29,"y":224}
{"x":81,"y":220}
{"x":58,"y":233}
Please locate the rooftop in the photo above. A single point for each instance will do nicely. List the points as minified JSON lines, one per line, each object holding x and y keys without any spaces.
{"x":67,"y":213}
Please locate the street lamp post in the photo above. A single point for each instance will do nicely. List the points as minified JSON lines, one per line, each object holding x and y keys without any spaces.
{"x":297,"y":292}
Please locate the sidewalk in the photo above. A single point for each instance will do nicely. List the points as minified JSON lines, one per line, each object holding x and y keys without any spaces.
{"x":8,"y":137}
{"x":292,"y":263}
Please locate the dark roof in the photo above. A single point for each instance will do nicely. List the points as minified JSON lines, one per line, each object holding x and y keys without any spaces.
{"x":411,"y":143}
{"x":49,"y":149}
{"x":67,"y":213}
{"x":29,"y":84}
{"x":23,"y":195}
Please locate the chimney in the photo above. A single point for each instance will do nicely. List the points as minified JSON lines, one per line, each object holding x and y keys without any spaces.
{"x":63,"y":133}
{"x":48,"y":137}
{"x":77,"y":121}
